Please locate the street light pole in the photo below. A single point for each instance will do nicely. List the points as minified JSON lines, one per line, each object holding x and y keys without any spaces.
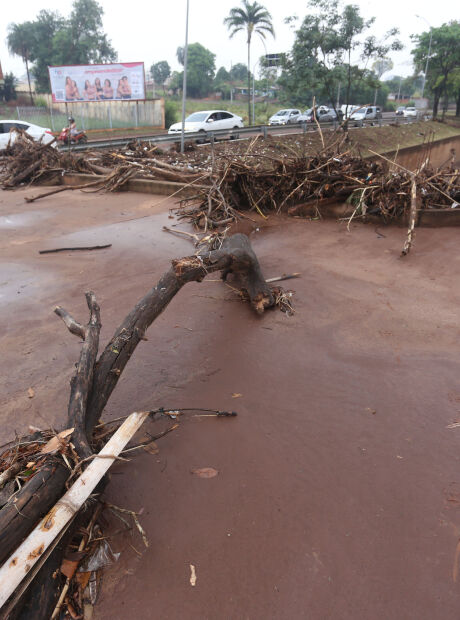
{"x":253,"y":92}
{"x":429,"y":52}
{"x":184,"y":82}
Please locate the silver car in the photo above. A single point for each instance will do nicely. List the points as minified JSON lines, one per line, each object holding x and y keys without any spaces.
{"x":285,"y":117}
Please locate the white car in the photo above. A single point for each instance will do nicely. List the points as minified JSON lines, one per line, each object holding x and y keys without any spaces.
{"x":284,"y":117}
{"x":208,"y":120}
{"x":41,"y":134}
{"x":410,"y":113}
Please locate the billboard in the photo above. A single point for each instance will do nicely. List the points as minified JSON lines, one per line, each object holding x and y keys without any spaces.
{"x":109,"y":82}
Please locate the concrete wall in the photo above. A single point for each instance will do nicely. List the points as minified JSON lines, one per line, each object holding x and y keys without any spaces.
{"x":439,"y":152}
{"x":113,"y":114}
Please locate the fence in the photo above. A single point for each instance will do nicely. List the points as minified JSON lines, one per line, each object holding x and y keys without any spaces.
{"x":96,"y":115}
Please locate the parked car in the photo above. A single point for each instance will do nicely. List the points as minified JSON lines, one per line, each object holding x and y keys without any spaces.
{"x":208,"y":120}
{"x":410,"y":113}
{"x":284,"y":117}
{"x":41,"y":134}
{"x":369,"y":113}
{"x":400,"y":110}
{"x":323,"y":115}
{"x":347,"y":110}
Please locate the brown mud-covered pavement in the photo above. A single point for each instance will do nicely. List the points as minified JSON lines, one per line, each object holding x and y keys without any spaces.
{"x":338,"y":492}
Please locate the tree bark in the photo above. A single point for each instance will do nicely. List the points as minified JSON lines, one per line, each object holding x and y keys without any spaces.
{"x":20,"y":515}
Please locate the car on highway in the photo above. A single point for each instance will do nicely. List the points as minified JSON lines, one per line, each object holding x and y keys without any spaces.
{"x":285,"y":117}
{"x":368,"y":113}
{"x":208,"y":120}
{"x":400,"y":110}
{"x":410,"y":113}
{"x":323,"y":115}
{"x":8,"y":135}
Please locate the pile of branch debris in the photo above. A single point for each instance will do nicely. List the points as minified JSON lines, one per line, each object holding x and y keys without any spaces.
{"x":263,"y":176}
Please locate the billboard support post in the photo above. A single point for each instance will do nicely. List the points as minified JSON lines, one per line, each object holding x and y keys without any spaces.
{"x":109,"y":114}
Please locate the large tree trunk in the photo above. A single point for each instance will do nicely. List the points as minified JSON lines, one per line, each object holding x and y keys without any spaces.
{"x":28,"y":79}
{"x":94,"y":382}
{"x":437,"y":96}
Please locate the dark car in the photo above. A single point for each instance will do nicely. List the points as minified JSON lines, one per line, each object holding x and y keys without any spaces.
{"x":400,"y":110}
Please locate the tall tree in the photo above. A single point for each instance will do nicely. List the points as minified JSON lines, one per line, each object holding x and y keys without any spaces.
{"x":327,"y":40}
{"x":200,"y":69}
{"x":239,"y":72}
{"x":20,"y":41}
{"x":252,"y":18}
{"x":160,"y":72}
{"x":381,"y":66}
{"x":82,"y":40}
{"x":444,"y":58}
{"x":45,"y":27}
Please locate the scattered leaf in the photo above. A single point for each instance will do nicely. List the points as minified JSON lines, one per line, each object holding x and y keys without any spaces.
{"x":30,"y":392}
{"x":205,"y":472}
{"x":82,"y":579}
{"x":151,"y":448}
{"x":57,"y":442}
{"x":236,"y":395}
{"x":192,"y":576}
{"x":68,"y":567}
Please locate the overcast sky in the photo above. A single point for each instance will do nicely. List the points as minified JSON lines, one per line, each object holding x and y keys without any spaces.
{"x":149,"y":31}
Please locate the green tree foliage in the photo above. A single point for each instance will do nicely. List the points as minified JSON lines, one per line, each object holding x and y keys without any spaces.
{"x":45,"y":28}
{"x":80,"y":39}
{"x":406,"y":87}
{"x":160,"y":72}
{"x":8,"y":88}
{"x":239,"y":72}
{"x":54,"y":40}
{"x":251,"y":18}
{"x":20,"y":41}
{"x":443,"y":61}
{"x":222,"y":76}
{"x":320,"y":62}
{"x":200,"y":69}
{"x":221,"y":81}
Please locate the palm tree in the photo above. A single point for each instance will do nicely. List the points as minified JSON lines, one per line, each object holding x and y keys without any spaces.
{"x":253,"y":18}
{"x":20,"y":40}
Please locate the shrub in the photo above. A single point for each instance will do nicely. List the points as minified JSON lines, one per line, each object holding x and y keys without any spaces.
{"x":170,"y":113}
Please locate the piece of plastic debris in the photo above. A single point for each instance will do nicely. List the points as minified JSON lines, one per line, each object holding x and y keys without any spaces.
{"x":101,"y":557}
{"x":192,"y":576}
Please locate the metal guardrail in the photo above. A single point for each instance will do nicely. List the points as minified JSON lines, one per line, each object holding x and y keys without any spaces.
{"x":212,"y":136}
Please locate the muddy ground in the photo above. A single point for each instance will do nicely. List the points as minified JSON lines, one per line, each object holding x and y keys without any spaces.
{"x":338,"y":493}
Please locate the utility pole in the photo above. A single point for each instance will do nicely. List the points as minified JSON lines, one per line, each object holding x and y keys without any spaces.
{"x":184,"y":82}
{"x":429,"y":52}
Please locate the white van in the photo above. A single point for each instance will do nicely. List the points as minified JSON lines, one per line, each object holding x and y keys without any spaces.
{"x":370,"y":113}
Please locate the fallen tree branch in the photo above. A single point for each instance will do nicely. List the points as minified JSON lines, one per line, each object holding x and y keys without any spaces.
{"x":74,"y":249}
{"x":236,"y":256}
